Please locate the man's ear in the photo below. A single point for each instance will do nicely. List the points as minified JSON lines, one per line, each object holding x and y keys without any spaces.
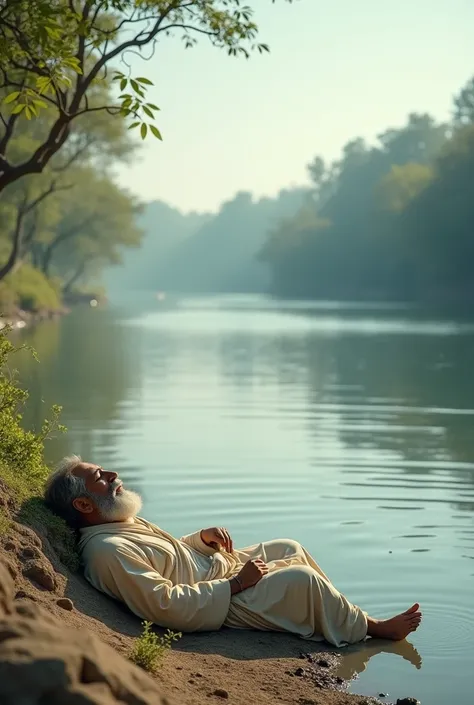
{"x":83,"y":505}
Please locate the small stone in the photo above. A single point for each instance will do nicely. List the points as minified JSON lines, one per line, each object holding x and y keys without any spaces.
{"x":65,"y":603}
{"x":300,"y":672}
{"x":323,"y":663}
{"x":40,"y":574}
{"x":340,"y":680}
{"x":179,"y":668}
{"x":382,"y":695}
{"x":9,"y":546}
{"x":192,"y":681}
{"x":198,"y":675}
{"x":221,"y":693}
{"x":408,"y":701}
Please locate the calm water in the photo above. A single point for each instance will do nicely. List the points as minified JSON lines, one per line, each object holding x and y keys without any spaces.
{"x":349,"y":430}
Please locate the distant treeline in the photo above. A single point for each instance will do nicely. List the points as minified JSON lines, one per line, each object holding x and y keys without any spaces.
{"x":202,"y":253}
{"x":394,"y":221}
{"x":390,"y":221}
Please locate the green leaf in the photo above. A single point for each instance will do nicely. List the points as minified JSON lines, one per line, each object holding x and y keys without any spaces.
{"x":13,"y":96}
{"x":28,"y":112}
{"x":153,"y":107}
{"x":123,"y":84}
{"x":18,"y":108}
{"x":143,"y":130}
{"x":145,"y":81}
{"x":147,"y":111}
{"x":156,"y":132}
{"x":135,"y":86}
{"x":40,"y":103}
{"x":133,"y":125}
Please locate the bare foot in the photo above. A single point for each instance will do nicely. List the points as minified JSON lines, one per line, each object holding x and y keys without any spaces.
{"x":396,"y":628}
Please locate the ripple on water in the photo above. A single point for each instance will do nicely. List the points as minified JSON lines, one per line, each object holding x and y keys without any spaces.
{"x":447,"y":630}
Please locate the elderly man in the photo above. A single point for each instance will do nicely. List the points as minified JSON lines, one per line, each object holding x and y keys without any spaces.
{"x":201,"y":582}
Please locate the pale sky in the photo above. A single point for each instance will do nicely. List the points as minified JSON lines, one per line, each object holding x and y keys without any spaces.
{"x":337,"y":69}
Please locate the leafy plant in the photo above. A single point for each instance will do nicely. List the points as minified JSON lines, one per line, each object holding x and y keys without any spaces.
{"x":22,"y":466}
{"x":149,"y":649}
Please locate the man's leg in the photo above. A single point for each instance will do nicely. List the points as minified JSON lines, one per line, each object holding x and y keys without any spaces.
{"x":297,"y":596}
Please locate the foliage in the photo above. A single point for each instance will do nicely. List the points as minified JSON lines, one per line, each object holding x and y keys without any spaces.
{"x":198,"y":253}
{"x":149,"y":649}
{"x":30,"y":290}
{"x":31,"y":209}
{"x":22,"y":465}
{"x":393,"y":221}
{"x":53,"y":55}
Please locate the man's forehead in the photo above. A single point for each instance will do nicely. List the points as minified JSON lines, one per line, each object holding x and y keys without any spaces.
{"x":85,"y":470}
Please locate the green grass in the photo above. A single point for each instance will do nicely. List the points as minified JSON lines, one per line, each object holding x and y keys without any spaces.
{"x":29,"y":289}
{"x":22,"y":465}
{"x":149,"y":649}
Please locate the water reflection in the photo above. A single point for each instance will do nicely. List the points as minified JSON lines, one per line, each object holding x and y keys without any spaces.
{"x":356,"y":658}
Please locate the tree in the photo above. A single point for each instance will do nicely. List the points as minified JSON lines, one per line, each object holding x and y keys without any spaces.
{"x":464,"y":105}
{"x":25,"y":209}
{"x":402,"y":185}
{"x":96,"y":220}
{"x":54,"y":54}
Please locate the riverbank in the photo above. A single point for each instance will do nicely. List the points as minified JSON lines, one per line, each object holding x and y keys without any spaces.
{"x":241,"y":667}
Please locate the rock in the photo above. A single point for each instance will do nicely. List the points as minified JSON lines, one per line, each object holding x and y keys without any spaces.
{"x":30,"y":552}
{"x":22,"y":595}
{"x":300,"y":672}
{"x":7,"y":590}
{"x":192,"y":681}
{"x":40,"y":573}
{"x":408,"y":701}
{"x":10,"y":546}
{"x":323,"y":663}
{"x":65,"y":603}
{"x":382,"y":695}
{"x":27,"y":533}
{"x":41,"y":661}
{"x":221,"y":693}
{"x":340,"y":680}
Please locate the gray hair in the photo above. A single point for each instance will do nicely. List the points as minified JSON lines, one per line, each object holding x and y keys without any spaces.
{"x":63,"y":487}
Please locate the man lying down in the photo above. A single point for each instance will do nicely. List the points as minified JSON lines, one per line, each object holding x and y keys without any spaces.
{"x":201,"y":582}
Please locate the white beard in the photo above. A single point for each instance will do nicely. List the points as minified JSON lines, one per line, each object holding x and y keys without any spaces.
{"x":119,"y":507}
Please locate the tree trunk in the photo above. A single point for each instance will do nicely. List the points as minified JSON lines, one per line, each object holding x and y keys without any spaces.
{"x":15,"y":251}
{"x":77,"y":275}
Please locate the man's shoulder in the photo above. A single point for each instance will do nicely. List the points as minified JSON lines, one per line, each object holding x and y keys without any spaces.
{"x":107,"y":545}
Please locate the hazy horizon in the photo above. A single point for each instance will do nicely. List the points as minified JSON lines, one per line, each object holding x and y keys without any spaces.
{"x":332,"y":74}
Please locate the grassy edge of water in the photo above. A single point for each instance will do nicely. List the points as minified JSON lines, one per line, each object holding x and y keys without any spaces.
{"x":23,"y":471}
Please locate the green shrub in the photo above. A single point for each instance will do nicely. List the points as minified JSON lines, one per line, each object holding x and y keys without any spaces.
{"x":149,"y":649}
{"x":29,"y":289}
{"x":22,"y":466}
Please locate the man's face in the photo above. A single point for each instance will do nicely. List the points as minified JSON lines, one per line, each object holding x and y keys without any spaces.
{"x":105,"y":499}
{"x":97,"y":480}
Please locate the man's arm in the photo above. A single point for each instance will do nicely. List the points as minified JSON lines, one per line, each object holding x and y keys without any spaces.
{"x":123,"y":573}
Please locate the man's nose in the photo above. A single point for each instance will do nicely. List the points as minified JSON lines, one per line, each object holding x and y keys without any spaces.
{"x":111,"y":476}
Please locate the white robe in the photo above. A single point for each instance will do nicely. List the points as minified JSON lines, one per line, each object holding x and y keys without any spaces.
{"x":184,"y":585}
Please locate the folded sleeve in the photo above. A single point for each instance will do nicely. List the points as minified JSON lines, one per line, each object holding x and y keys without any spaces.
{"x":196,"y":542}
{"x":121,"y":571}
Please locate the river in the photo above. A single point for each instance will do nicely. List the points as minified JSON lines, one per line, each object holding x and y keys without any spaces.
{"x":349,"y":429}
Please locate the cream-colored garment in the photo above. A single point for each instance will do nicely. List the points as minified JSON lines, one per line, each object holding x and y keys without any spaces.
{"x":184,"y":584}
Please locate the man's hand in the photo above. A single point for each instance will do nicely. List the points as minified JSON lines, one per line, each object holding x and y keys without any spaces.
{"x":217,"y":537}
{"x":252,"y":573}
